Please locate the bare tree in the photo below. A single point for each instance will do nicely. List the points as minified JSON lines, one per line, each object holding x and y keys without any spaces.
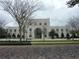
{"x":21,"y":10}
{"x":74,"y":24}
{"x":3,"y":31}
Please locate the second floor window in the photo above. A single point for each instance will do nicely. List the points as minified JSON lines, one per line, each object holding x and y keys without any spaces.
{"x":61,"y":29}
{"x":40,"y":23}
{"x":35,"y":23}
{"x":66,"y":29}
{"x":45,"y":23}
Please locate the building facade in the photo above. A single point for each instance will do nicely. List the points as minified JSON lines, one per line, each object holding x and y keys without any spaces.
{"x":40,"y":28}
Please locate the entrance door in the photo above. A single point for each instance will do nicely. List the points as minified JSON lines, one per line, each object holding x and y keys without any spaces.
{"x":38,"y":33}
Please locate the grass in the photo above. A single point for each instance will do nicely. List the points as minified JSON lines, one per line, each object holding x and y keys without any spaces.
{"x":41,"y":42}
{"x":54,"y":42}
{"x":14,"y":43}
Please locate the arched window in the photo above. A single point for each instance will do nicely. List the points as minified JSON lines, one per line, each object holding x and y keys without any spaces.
{"x":38,"y":33}
{"x":62,"y":35}
{"x":14,"y":36}
{"x":67,"y":36}
{"x":45,"y":35}
{"x":18,"y":36}
{"x":22,"y":36}
{"x":14,"y":30}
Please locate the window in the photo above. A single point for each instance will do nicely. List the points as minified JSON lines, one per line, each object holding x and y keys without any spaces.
{"x":30,"y":23}
{"x":35,"y":23}
{"x":7,"y":30}
{"x":18,"y":36}
{"x":61,"y":29}
{"x":14,"y":36}
{"x":66,"y":29}
{"x":57,"y":30}
{"x":30,"y":29}
{"x":30,"y":35}
{"x":14,"y":30}
{"x":40,"y":23}
{"x":10,"y":30}
{"x":45,"y":23}
{"x":45,"y":35}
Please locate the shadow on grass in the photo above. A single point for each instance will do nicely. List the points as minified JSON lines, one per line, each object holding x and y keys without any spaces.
{"x":15,"y":43}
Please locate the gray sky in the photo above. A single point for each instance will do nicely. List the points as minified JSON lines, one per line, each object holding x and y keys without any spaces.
{"x":56,"y":10}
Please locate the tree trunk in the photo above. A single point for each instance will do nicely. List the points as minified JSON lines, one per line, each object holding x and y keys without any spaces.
{"x":20,"y":33}
{"x":24,"y":32}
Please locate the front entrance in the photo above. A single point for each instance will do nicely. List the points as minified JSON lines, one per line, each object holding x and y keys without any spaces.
{"x":38,"y":33}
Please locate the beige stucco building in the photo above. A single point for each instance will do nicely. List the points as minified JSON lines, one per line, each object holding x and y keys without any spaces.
{"x":38,"y":27}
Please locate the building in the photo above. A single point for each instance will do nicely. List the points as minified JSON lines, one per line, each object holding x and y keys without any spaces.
{"x":40,"y":28}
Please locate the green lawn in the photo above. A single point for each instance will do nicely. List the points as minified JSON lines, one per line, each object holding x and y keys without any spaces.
{"x":54,"y":42}
{"x":41,"y":42}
